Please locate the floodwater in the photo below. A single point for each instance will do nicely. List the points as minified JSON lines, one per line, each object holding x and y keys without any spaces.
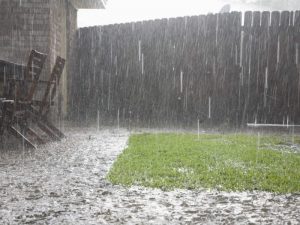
{"x":64,"y":183}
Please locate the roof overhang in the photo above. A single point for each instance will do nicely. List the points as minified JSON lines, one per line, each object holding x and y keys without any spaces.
{"x":89,"y":4}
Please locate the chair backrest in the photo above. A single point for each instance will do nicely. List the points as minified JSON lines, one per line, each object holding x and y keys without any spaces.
{"x":54,"y":80}
{"x":33,"y":71}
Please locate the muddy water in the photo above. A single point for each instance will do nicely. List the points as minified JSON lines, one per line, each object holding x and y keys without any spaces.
{"x":63,"y":183}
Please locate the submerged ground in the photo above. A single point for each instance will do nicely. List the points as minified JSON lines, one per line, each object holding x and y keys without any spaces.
{"x":64,"y":183}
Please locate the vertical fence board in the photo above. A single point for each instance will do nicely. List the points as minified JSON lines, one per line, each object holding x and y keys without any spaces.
{"x":210,"y":46}
{"x":263,"y":106}
{"x":254,"y":73}
{"x":282,"y":69}
{"x":272,"y":64}
{"x":246,"y":67}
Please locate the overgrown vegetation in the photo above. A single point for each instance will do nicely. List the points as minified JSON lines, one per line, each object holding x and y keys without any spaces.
{"x":234,"y":162}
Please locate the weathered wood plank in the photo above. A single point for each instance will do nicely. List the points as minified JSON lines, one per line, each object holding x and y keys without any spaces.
{"x":264,"y":114}
{"x":245,"y":81}
{"x":273,"y":59}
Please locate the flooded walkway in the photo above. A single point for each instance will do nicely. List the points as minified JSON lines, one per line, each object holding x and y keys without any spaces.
{"x":64,"y":183}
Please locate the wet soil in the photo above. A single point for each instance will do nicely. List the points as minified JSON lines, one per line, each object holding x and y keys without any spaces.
{"x":64,"y":183}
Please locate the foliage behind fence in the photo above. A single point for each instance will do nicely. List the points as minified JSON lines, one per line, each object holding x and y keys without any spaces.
{"x":213,"y":67}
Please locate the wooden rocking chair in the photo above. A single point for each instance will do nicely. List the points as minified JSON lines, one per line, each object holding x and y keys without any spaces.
{"x":18,"y":100}
{"x":41,"y":109}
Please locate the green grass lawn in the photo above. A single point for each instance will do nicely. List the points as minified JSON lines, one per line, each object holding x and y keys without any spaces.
{"x":226,"y":162}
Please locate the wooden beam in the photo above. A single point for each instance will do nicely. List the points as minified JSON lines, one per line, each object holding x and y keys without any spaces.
{"x":48,"y":131}
{"x":40,"y":140}
{"x":21,"y":137}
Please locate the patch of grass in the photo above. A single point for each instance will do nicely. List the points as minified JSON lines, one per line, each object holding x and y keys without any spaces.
{"x":234,"y":162}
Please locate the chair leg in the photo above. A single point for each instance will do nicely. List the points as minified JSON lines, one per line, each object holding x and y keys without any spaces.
{"x":40,"y":140}
{"x":21,"y":137}
{"x":50,"y":133}
{"x":54,"y":129}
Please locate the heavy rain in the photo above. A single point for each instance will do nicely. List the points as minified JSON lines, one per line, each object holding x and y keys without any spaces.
{"x":149,"y":113}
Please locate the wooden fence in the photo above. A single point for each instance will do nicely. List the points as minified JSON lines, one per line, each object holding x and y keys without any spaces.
{"x":225,"y":68}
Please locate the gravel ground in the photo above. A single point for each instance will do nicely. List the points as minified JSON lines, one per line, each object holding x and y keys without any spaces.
{"x":64,"y":183}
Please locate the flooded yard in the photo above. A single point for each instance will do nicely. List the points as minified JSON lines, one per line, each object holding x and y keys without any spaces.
{"x":64,"y":183}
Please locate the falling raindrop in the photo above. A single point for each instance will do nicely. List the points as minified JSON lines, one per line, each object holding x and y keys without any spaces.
{"x":278,"y":50}
{"x":116,"y":64}
{"x":297,"y":53}
{"x":266,"y":87}
{"x":258,"y":140}
{"x":98,"y":119}
{"x":181,"y":81}
{"x":209,"y":107}
{"x":23,"y":148}
{"x":242,"y":77}
{"x":118,"y":119}
{"x":241,"y":49}
{"x":111,"y":53}
{"x":140,"y":50}
{"x":4,"y":77}
{"x":198,"y":123}
{"x":266,"y":78}
{"x":130,"y":116}
{"x":142,"y":63}
{"x":293,"y":134}
{"x":109,"y":86}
